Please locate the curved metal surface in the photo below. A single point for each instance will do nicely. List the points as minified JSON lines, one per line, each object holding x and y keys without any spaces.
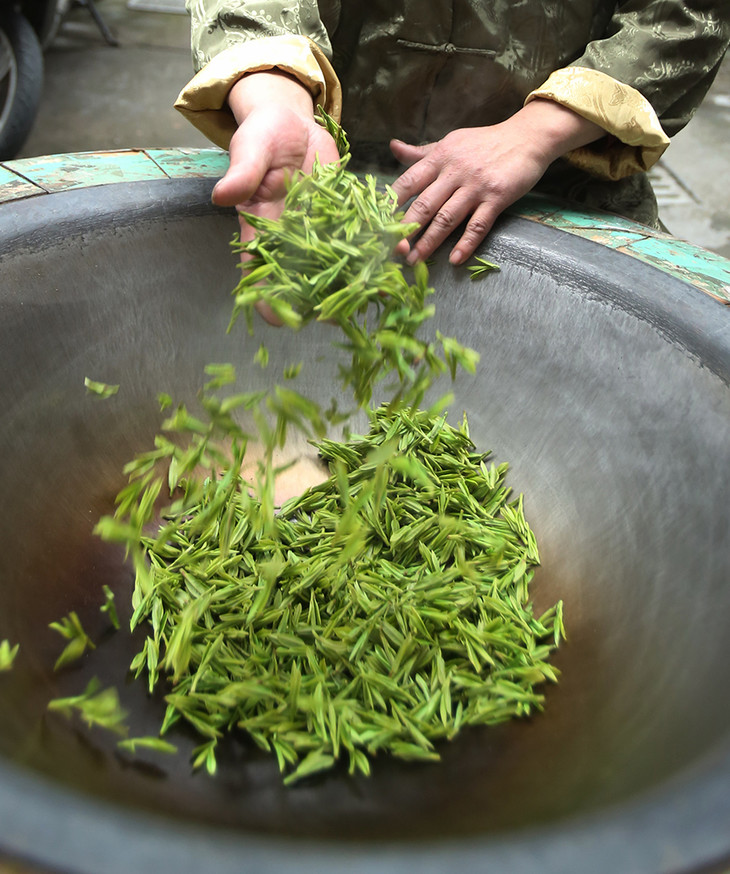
{"x":606,"y":385}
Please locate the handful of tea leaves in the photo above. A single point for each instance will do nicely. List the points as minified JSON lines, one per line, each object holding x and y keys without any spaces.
{"x":329,"y":257}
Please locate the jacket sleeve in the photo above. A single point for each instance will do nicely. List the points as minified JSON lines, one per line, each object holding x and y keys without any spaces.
{"x":230,"y":38}
{"x":643,"y":80}
{"x":217,"y":25}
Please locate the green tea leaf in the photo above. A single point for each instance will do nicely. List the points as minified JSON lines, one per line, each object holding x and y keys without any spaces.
{"x":7,"y":655}
{"x":78,"y":640}
{"x":481,"y":267}
{"x":109,"y":607}
{"x":100,"y":389}
{"x":156,"y":744}
{"x":95,"y":706}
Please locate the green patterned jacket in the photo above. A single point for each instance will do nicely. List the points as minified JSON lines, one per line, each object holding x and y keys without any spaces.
{"x":416,"y":70}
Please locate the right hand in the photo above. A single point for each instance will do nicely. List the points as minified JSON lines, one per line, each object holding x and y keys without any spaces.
{"x":276,"y":137}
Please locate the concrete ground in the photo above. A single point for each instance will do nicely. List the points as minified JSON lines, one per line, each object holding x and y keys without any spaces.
{"x":102,"y":97}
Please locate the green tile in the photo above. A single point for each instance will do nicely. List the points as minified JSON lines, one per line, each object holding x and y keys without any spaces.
{"x":85,"y":169}
{"x":608,"y":230}
{"x":178,"y":163}
{"x":533,"y":206}
{"x":14,"y":187}
{"x":704,"y":269}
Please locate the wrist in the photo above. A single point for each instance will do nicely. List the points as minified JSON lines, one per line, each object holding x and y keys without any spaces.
{"x":269,"y":88}
{"x":556,"y":129}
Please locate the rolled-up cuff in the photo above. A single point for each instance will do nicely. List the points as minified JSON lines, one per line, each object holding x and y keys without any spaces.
{"x":636,"y":139}
{"x":203,"y":101}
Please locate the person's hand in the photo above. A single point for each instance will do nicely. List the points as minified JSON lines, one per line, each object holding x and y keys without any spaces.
{"x":473,"y":174}
{"x":277,"y":135}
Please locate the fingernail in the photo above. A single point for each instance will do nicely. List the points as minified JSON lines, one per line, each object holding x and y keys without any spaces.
{"x":456,"y":257}
{"x":412,"y":257}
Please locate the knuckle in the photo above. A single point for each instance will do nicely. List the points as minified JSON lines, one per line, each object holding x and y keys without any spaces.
{"x":443,"y":220}
{"x":494,"y":188}
{"x":475,"y":231}
{"x":405,"y":181}
{"x":449,"y":141}
{"x":479,"y":226}
{"x":420,"y":208}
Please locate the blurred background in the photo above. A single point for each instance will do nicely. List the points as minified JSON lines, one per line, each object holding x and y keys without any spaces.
{"x":100,"y":96}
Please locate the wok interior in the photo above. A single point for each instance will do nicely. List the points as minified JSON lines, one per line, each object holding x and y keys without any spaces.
{"x":614,"y":433}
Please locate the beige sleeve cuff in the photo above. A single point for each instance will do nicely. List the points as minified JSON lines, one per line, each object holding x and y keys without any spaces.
{"x":203,"y":100}
{"x":636,"y":140}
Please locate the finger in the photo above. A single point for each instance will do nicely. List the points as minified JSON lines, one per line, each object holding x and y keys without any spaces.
{"x":247,"y":232}
{"x":322,"y":147}
{"x":421,"y":212}
{"x":418,"y":176}
{"x":429,"y":200}
{"x":267,"y":314}
{"x":266,"y":209}
{"x":249,"y":163}
{"x":239,"y":183}
{"x":403,"y":248}
{"x":450,"y":214}
{"x":408,"y":154}
{"x":477,"y":228}
{"x":270,"y":209}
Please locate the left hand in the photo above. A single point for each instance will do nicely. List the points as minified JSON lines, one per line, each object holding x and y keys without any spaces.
{"x":474,"y":174}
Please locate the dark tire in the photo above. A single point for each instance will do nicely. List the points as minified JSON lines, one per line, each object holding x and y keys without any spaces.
{"x":21,"y":81}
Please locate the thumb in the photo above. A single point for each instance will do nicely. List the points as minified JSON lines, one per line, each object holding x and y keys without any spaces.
{"x":249,"y":163}
{"x":408,"y":154}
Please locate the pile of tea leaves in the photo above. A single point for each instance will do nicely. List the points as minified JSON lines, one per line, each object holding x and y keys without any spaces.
{"x":379,"y":612}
